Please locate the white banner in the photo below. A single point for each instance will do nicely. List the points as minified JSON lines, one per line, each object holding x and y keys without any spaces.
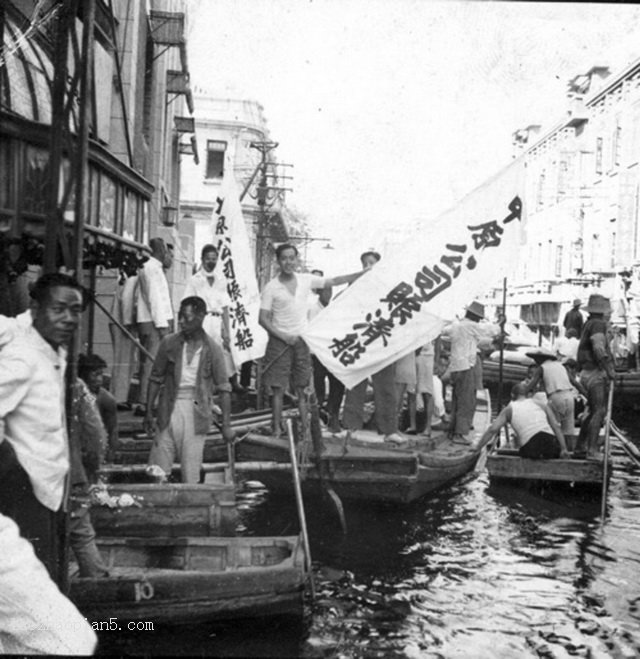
{"x":408,"y":297}
{"x":235,"y":264}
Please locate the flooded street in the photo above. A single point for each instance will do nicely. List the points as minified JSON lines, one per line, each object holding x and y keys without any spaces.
{"x":475,"y":571}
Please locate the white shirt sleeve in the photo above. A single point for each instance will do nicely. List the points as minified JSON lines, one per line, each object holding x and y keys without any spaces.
{"x":266,"y":299}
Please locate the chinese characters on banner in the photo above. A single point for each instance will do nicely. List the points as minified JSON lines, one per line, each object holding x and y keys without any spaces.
{"x":407,"y":298}
{"x":235,"y":265}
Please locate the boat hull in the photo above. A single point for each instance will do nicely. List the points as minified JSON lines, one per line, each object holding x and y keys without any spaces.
{"x":188,"y":580}
{"x":508,"y":466}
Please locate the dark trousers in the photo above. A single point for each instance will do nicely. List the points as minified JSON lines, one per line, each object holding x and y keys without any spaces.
{"x":385,"y":401}
{"x":43,"y":528}
{"x":596,"y":384}
{"x":336,"y":388}
{"x":542,"y":446}
{"x":463,"y":400}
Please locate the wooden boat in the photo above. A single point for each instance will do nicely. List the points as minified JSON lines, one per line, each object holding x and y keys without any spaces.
{"x":168,"y":510}
{"x":368,"y":469}
{"x":507,"y":466}
{"x":627,"y":383}
{"x":190,"y":580}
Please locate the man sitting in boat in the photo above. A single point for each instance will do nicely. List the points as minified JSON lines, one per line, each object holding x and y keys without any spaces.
{"x":596,"y":364}
{"x":558,"y":386}
{"x":188,"y":370}
{"x":538,"y":435}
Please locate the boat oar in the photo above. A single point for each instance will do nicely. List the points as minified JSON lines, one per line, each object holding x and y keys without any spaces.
{"x":607,"y":447}
{"x":316,"y":438}
{"x":630,"y":449}
{"x":300,"y":506}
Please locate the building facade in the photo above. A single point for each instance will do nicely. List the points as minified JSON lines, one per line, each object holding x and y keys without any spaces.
{"x":580,"y":225}
{"x":235,"y":141}
{"x":139,"y":93}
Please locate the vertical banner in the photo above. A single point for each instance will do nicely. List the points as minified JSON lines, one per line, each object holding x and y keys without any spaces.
{"x":235,"y":265}
{"x":405,"y":300}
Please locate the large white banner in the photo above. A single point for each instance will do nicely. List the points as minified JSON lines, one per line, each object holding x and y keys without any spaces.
{"x":408,"y":297}
{"x":235,"y":264}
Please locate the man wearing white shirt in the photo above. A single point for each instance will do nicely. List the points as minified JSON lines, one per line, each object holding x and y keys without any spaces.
{"x":34,"y":453}
{"x":204,"y":284}
{"x":283,"y":313}
{"x":154,"y":311}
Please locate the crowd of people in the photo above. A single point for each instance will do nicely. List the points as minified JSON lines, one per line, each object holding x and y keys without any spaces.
{"x":542,"y":412}
{"x":52,"y":447}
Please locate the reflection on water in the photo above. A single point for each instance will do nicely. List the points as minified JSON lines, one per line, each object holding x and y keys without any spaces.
{"x":475,"y":571}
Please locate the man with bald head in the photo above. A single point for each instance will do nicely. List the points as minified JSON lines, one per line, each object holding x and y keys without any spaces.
{"x":537,"y":432}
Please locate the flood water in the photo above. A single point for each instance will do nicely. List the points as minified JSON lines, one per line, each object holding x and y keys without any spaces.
{"x":474,"y":571}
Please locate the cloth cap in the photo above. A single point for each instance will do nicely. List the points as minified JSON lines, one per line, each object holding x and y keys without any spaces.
{"x":540,"y":354}
{"x":370,"y":251}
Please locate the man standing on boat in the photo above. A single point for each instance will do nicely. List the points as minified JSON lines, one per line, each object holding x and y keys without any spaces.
{"x":537,"y":432}
{"x":573,"y":319}
{"x":465,"y":335}
{"x":596,"y":364}
{"x":188,"y":370}
{"x":384,"y":390}
{"x":283,"y":313}
{"x":558,"y":385}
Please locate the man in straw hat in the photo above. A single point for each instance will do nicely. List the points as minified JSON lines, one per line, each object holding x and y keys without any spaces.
{"x":465,"y":335}
{"x":558,"y":384}
{"x":596,"y":364}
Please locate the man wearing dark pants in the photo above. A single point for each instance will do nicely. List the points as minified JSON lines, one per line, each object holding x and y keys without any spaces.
{"x":596,"y":364}
{"x":283,"y":313}
{"x":34,"y":460}
{"x":465,"y":335}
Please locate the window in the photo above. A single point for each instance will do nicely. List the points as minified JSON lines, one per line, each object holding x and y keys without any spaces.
{"x":558,"y":260}
{"x":540,"y":191}
{"x":599,"y":155}
{"x":615,"y":146}
{"x":215,"y":158}
{"x":563,"y":168}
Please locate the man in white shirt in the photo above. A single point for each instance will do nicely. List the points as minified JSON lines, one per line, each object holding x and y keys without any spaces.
{"x":212,"y":290}
{"x":465,"y":335}
{"x":34,"y":452}
{"x":154,"y":311}
{"x":283,"y":313}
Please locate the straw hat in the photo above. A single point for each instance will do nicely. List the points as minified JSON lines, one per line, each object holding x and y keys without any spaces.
{"x":598,"y":304}
{"x":577,"y":302}
{"x":476,"y":309}
{"x":541,"y":354}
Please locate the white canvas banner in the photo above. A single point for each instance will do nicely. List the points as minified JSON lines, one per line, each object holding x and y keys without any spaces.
{"x":405,"y":300}
{"x":235,"y":264}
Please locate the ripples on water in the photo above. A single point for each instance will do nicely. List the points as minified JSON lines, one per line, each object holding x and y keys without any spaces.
{"x":475,"y":571}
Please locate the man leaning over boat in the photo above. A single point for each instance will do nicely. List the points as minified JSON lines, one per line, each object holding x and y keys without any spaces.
{"x":538,"y":434}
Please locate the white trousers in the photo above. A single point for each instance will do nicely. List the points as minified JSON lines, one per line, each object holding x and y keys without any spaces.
{"x":179,"y":438}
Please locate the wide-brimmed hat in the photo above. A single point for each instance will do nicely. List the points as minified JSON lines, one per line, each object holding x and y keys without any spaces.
{"x":577,"y":302}
{"x":370,"y":251}
{"x":476,"y":309}
{"x":598,"y":304}
{"x":540,"y":354}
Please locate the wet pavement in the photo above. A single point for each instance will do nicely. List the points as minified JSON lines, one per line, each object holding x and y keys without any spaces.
{"x":474,"y":571}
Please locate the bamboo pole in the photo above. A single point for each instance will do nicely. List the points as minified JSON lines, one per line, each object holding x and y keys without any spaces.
{"x":607,"y":448}
{"x":300,"y":506}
